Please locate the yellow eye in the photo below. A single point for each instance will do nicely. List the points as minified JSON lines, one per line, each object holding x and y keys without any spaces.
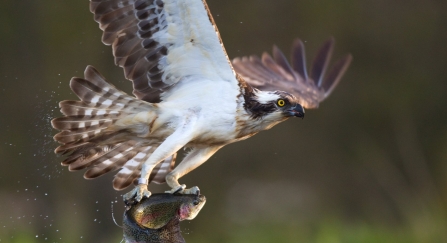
{"x":281,"y":102}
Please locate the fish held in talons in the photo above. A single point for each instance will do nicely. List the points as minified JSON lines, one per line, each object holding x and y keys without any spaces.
{"x":157,"y":218}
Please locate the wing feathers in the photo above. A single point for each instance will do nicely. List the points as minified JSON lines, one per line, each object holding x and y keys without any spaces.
{"x":160,"y":42}
{"x":336,"y":74}
{"x":129,"y":26}
{"x":268,"y":61}
{"x":116,"y":16}
{"x":277,"y":74}
{"x":126,"y":47}
{"x":299,"y":58}
{"x":321,"y":62}
{"x":281,"y":60}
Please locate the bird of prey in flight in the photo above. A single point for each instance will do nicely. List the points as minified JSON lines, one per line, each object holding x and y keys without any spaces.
{"x":188,"y":94}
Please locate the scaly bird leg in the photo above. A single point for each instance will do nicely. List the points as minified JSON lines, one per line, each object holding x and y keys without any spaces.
{"x":182,"y":135}
{"x":194,"y":159}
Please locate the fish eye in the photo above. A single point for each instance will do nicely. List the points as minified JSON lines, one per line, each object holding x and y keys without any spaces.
{"x":281,"y":102}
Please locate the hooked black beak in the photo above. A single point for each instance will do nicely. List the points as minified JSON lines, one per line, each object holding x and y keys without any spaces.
{"x":297,"y":111}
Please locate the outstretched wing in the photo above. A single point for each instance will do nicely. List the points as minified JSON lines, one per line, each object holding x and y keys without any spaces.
{"x":160,"y":42}
{"x":275,"y":73}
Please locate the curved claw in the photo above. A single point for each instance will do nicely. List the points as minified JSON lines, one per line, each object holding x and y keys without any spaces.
{"x":137,"y":193}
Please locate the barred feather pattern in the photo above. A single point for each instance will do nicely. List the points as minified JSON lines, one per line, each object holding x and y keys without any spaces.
{"x":129,"y":26}
{"x":92,"y":139}
{"x":158,"y":174}
{"x":130,"y":171}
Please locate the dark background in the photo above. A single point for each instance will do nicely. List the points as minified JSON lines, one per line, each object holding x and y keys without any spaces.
{"x":369,"y":165}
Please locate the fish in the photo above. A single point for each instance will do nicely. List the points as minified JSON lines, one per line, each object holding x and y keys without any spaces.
{"x":157,"y":219}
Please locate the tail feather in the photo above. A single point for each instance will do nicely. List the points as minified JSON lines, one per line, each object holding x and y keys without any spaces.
{"x":160,"y":171}
{"x":76,"y":123}
{"x":104,"y":138}
{"x":113,"y":160}
{"x":79,"y":108}
{"x":102,"y":106}
{"x":69,"y":148}
{"x":99,"y":132}
{"x":82,"y":156}
{"x":95,"y":154}
{"x":100,"y":94}
{"x":84,"y":130}
{"x":131,"y":169}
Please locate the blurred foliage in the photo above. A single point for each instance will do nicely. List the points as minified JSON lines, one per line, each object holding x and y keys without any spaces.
{"x":369,"y":165}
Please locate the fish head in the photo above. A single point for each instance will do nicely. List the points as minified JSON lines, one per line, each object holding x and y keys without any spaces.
{"x":191,"y":206}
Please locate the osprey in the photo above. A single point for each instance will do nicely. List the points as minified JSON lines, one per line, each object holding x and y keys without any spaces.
{"x":188,"y":94}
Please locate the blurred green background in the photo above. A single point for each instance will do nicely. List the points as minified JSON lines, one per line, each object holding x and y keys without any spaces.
{"x":369,"y":165}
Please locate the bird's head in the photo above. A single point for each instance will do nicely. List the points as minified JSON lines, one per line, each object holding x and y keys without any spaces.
{"x":273,"y":106}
